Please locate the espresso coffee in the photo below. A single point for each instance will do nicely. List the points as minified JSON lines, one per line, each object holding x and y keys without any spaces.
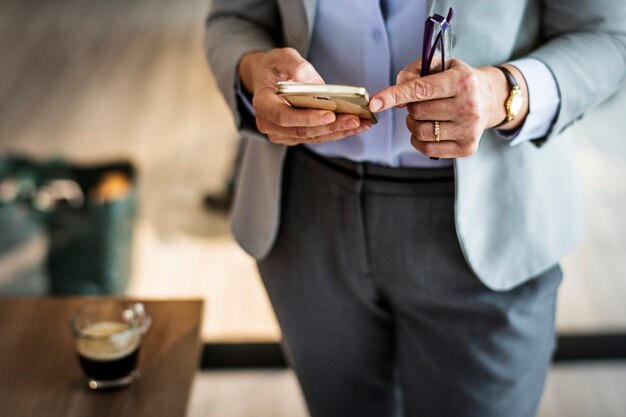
{"x":109,"y":350}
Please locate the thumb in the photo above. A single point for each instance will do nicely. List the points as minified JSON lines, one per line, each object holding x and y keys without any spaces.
{"x":410,"y":72}
{"x":299,"y":69}
{"x":304,"y":72}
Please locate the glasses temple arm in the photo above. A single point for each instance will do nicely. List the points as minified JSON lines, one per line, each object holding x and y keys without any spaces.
{"x":429,"y":28}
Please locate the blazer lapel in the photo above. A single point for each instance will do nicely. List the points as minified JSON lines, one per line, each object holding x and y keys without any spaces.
{"x":310,"y":7}
{"x":432,"y":6}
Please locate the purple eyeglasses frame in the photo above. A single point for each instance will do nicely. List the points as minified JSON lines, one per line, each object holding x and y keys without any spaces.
{"x":428,"y":46}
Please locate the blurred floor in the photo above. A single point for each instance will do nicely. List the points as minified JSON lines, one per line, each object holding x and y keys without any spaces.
{"x":95,"y":80}
{"x":582,"y":390}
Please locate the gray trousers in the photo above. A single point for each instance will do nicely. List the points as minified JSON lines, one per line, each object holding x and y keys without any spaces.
{"x":374,"y":298}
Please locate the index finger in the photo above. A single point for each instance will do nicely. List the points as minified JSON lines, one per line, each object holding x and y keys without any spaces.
{"x":432,"y":87}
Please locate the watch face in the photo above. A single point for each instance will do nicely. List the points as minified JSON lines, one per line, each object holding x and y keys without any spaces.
{"x":515,"y":105}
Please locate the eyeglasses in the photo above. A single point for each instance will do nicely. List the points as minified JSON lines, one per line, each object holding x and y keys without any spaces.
{"x":441,"y":44}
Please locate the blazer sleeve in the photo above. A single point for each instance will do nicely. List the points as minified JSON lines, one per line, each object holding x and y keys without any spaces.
{"x":585,"y":48}
{"x":234,"y":28}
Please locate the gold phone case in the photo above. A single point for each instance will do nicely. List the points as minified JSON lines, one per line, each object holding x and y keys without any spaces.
{"x":335,"y":98}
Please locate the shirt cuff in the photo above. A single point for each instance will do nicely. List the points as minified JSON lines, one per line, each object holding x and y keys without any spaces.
{"x":543,"y":102}
{"x":245,"y":98}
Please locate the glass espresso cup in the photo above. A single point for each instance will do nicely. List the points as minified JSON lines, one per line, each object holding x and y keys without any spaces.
{"x":108,"y":336}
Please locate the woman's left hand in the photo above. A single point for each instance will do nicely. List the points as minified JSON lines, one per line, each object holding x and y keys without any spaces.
{"x":464,"y":100}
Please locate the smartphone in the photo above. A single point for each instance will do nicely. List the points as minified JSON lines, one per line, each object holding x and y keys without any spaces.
{"x":336,"y":98}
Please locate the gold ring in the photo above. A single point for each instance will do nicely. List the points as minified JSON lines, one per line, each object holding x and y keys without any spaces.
{"x":437,"y":131}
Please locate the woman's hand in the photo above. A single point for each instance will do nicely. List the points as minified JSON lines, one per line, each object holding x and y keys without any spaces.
{"x":260,"y":71}
{"x":464,"y":100}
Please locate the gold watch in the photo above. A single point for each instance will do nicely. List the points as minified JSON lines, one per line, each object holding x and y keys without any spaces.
{"x":514,"y":103}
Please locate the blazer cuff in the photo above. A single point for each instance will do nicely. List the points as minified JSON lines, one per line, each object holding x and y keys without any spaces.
{"x":543,"y":101}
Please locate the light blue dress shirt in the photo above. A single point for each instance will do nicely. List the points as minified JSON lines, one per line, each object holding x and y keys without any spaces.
{"x":366,"y":43}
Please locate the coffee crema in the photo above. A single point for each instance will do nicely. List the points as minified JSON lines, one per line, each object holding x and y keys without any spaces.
{"x":108,"y":340}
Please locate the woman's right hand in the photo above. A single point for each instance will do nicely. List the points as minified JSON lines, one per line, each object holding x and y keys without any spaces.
{"x":260,"y":71}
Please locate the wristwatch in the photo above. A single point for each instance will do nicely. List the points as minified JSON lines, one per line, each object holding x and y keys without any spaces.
{"x":515,"y":101}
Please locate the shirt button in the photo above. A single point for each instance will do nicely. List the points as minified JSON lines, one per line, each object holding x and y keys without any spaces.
{"x":378,"y":36}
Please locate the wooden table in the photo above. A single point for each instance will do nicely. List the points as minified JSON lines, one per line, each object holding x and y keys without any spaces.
{"x":40,"y":375}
